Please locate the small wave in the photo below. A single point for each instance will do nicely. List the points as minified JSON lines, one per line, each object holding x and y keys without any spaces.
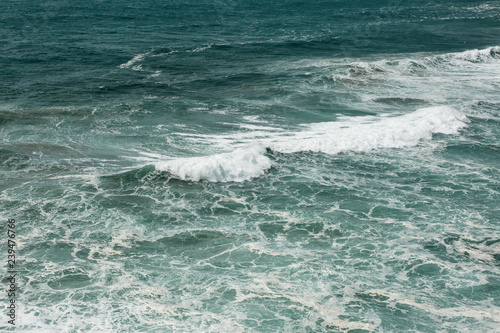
{"x":236,"y":166}
{"x":421,"y":63}
{"x":476,"y":56}
{"x":200,"y":49}
{"x":397,"y":69}
{"x":135,"y":59}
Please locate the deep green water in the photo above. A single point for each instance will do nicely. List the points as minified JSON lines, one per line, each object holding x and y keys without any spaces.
{"x":259,"y":166}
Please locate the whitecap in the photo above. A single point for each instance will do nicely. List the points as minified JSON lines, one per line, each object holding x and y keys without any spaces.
{"x":135,"y":59}
{"x":362,"y":134}
{"x":487,"y":55}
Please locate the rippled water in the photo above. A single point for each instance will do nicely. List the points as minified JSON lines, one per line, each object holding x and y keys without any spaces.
{"x":222,"y":166}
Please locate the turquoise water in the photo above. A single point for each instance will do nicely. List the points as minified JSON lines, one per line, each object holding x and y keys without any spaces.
{"x":272,"y":166}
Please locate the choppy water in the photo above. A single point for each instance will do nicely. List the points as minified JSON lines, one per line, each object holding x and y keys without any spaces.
{"x":263,"y":166}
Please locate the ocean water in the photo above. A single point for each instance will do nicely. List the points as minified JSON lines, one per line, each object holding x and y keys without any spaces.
{"x":252,"y":166}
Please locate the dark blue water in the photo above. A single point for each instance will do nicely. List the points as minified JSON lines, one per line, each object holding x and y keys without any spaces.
{"x":263,"y":166}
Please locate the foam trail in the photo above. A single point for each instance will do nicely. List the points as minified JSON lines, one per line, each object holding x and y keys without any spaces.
{"x":237,"y":166}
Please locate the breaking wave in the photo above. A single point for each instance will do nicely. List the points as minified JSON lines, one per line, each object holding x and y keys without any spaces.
{"x":239,"y":165}
{"x":349,"y":134}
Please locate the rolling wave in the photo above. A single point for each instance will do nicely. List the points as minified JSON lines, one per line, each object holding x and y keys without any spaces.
{"x":350,"y":134}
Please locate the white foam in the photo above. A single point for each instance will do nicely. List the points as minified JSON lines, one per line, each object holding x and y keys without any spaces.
{"x":201,"y":48}
{"x":404,"y":80}
{"x":155,"y":74}
{"x":237,"y":166}
{"x":362,"y":134}
{"x":135,"y":59}
{"x":254,"y":119}
{"x":478,"y":313}
{"x":478,"y":56}
{"x":257,"y":127}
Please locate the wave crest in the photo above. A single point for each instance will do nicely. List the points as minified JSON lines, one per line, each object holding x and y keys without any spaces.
{"x":361,"y":134}
{"x":477,"y":56}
